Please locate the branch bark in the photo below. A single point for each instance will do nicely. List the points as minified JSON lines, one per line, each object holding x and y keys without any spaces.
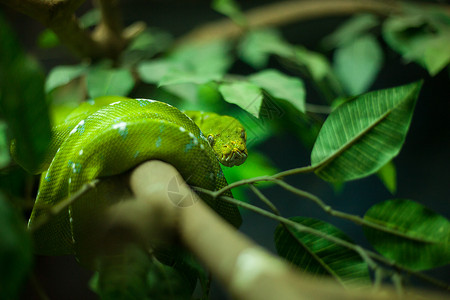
{"x":108,"y":39}
{"x":286,"y":12}
{"x":246,"y":270}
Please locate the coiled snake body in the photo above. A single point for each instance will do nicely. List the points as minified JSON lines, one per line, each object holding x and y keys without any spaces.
{"x":108,"y":137}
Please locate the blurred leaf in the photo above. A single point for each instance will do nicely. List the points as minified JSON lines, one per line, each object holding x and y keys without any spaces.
{"x":363,"y":134}
{"x":90,"y":18}
{"x":135,"y":275}
{"x":350,"y":30}
{"x":246,"y":95}
{"x":105,"y":82}
{"x":357,"y":64}
{"x":5,"y":159}
{"x":422,"y":238}
{"x":47,"y":39}
{"x":198,"y":63}
{"x":420,"y":38}
{"x":15,"y":251}
{"x":281,"y":86}
{"x":230,"y":9}
{"x":177,"y":76}
{"x":62,"y":75}
{"x":437,"y":53}
{"x":187,"y":92}
{"x":319,"y":256}
{"x":153,"y":71}
{"x":316,"y":64}
{"x":388,"y":176}
{"x":146,"y":45}
{"x":22,"y":101}
{"x":257,"y":45}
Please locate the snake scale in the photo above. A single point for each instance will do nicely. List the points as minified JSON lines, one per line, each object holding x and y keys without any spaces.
{"x":110,"y":136}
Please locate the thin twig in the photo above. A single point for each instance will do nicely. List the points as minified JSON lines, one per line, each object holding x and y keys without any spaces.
{"x":333,"y":239}
{"x":353,"y":218}
{"x":56,"y":209}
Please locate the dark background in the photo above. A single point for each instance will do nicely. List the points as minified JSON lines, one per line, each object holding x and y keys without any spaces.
{"x":422,"y":165}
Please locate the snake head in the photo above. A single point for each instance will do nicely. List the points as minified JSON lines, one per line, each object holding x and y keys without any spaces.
{"x":230,"y":146}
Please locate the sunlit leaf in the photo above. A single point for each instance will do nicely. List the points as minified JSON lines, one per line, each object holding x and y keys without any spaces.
{"x":421,"y":238}
{"x":388,"y":176}
{"x":317,"y":255}
{"x":62,"y":75}
{"x":351,"y":30}
{"x":364,"y":133}
{"x":104,"y":82}
{"x":15,"y":251}
{"x":246,"y":95}
{"x":281,"y":86}
{"x":357,"y":64}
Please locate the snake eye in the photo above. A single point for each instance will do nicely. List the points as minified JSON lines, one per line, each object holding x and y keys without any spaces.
{"x":211,"y":139}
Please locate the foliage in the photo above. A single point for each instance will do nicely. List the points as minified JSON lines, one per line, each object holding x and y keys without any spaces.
{"x":361,"y":135}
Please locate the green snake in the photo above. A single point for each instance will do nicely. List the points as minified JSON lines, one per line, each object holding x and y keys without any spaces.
{"x":110,"y":136}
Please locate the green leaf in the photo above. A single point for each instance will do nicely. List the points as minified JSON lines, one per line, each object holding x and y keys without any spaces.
{"x":357,"y":64}
{"x":153,"y":71}
{"x":62,"y":75}
{"x":90,"y":18}
{"x":388,"y":176}
{"x":281,"y":86}
{"x":230,"y":9}
{"x":47,"y":39}
{"x":422,"y":237}
{"x":257,"y":45}
{"x":350,"y":30}
{"x":198,"y":63}
{"x":437,"y":54}
{"x":180,"y":76}
{"x":319,"y":256}
{"x":246,"y":95}
{"x":15,"y":251}
{"x":364,"y":133}
{"x":22,"y":101}
{"x":146,"y":45}
{"x":420,"y":38}
{"x":316,"y":64}
{"x":5,"y":158}
{"x":105,"y":82}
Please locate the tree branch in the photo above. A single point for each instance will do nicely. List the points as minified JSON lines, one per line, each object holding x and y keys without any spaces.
{"x":245,"y":270}
{"x":108,"y":39}
{"x":287,"y":12}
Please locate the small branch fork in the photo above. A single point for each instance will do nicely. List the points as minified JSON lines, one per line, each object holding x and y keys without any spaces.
{"x":107,"y":40}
